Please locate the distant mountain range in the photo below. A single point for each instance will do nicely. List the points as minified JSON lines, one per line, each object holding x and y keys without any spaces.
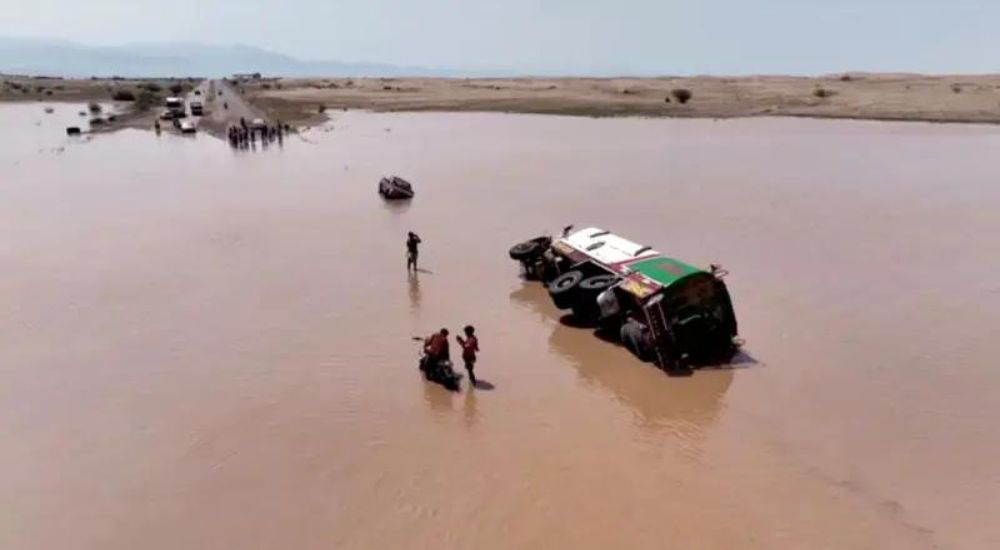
{"x":60,"y":58}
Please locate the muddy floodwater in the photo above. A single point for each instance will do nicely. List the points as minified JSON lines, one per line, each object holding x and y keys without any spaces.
{"x":208,"y":349}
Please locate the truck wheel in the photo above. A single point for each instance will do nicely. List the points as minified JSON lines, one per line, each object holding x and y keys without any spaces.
{"x":598,"y":283}
{"x":526,"y":250}
{"x":632,"y":339}
{"x":563,"y":289}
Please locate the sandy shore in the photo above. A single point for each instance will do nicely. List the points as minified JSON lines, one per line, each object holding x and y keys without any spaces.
{"x":302,"y":102}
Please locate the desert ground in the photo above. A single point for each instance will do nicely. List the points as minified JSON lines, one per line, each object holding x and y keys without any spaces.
{"x":303,"y":102}
{"x":855,"y":96}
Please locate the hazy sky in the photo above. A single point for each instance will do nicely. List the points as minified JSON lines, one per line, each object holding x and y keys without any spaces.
{"x":583,"y":36}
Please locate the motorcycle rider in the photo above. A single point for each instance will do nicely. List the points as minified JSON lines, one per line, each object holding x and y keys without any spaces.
{"x":436,"y":350}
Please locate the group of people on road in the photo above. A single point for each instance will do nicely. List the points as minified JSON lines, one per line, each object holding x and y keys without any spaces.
{"x":245,"y":136}
{"x":436,"y":347}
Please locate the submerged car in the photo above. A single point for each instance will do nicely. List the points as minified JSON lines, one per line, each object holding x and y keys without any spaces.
{"x":663,"y":310}
{"x":395,"y":188}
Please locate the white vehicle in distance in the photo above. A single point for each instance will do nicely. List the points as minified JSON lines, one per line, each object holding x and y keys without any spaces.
{"x":176,"y":106}
{"x":187,"y":127}
{"x":258,"y":124}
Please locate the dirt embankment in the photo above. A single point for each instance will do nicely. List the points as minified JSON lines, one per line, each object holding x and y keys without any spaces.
{"x":861,"y":96}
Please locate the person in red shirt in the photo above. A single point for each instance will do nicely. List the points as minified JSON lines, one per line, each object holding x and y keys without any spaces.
{"x":470,"y":347}
{"x":436,"y":347}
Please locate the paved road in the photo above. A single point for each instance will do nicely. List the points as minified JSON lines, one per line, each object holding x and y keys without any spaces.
{"x":223,"y":106}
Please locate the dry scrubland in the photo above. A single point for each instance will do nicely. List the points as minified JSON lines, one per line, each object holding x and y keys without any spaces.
{"x":865,"y":96}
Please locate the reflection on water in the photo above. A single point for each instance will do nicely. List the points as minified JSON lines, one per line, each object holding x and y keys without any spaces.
{"x":687,"y":405}
{"x":413,"y":280}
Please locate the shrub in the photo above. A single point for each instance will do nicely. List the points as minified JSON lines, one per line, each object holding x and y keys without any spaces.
{"x":823,"y":93}
{"x":956,"y":88}
{"x":123,"y":95}
{"x":152,"y":87}
{"x":176,"y":89}
{"x":94,"y":107}
{"x":48,"y":92}
{"x":146,"y":100}
{"x":39,"y":89}
{"x":265,"y":86}
{"x":667,"y":99}
{"x":682,"y":95}
{"x":846,"y":78}
{"x":322,"y":109}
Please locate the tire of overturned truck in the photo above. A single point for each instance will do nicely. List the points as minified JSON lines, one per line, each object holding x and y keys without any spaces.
{"x":632,"y":338}
{"x":563,"y":289}
{"x":585,"y":306}
{"x":598,"y":283}
{"x":526,"y":250}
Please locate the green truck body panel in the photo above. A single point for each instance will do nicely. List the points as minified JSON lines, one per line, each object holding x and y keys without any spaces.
{"x":664,"y":271}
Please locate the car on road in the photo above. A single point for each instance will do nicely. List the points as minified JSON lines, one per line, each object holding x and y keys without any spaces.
{"x":187,"y":127}
{"x":197,"y":109}
{"x":663,"y":310}
{"x":258,"y":124}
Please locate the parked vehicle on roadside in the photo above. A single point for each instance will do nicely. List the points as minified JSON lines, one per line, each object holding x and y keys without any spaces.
{"x":665,"y":311}
{"x":176,"y":106}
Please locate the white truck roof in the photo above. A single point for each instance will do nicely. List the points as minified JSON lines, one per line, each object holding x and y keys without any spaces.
{"x":606,"y":247}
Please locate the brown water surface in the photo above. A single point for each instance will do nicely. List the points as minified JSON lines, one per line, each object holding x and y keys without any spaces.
{"x":202,"y":349}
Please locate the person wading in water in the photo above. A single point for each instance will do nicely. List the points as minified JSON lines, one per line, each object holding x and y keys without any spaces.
{"x":470,"y":347}
{"x":412,"y":243}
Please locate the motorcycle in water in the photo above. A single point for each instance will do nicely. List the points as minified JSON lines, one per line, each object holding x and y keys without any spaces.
{"x":440,"y":372}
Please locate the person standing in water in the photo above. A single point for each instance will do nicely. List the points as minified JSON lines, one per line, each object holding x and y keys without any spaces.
{"x":470,"y":347}
{"x":412,"y":251}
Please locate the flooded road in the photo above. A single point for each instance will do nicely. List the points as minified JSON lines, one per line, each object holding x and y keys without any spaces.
{"x":204,"y":349}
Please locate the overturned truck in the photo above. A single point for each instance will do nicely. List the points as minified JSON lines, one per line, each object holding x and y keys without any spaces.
{"x":663,"y":310}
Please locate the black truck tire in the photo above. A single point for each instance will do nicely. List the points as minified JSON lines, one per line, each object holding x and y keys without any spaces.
{"x":526,"y":250}
{"x":598,"y":283}
{"x":563,"y":289}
